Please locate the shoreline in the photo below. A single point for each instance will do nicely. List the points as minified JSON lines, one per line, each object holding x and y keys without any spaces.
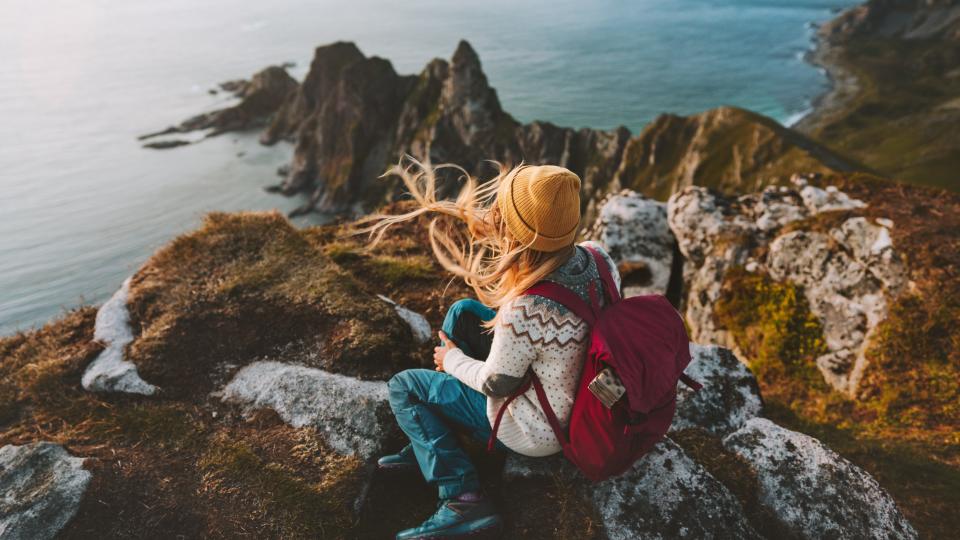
{"x":842,"y":83}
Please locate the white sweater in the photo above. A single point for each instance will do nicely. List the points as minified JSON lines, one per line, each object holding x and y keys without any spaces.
{"x":538,"y":333}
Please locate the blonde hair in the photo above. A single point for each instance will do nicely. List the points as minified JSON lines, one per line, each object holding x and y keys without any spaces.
{"x":468,"y":236}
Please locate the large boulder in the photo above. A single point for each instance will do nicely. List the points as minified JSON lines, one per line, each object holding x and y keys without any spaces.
{"x":730,"y":395}
{"x":41,"y":487}
{"x":811,"y":490}
{"x":634,"y":231}
{"x":110,"y":371}
{"x":668,"y":495}
{"x":353,"y":415}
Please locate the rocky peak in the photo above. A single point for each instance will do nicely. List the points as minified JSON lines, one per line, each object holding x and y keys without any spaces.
{"x":904,"y":19}
{"x":471,"y":105}
{"x":353,"y":117}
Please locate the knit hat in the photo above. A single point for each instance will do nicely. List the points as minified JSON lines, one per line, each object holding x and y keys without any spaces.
{"x":541,"y":205}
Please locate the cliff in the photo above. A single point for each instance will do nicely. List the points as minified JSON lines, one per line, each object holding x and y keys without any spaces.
{"x":354,"y":116}
{"x":234,"y":385}
{"x":895,"y":105}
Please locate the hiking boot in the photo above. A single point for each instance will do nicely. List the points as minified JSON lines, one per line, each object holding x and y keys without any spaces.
{"x":454,"y":519}
{"x":401,"y":461}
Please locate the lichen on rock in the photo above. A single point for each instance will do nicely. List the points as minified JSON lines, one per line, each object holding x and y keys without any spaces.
{"x":353,"y":415}
{"x":634,"y":231}
{"x":41,"y":487}
{"x":814,"y":492}
{"x":729,"y":397}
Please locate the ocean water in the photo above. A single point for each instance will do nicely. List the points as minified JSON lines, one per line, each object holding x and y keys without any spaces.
{"x":82,"y":205}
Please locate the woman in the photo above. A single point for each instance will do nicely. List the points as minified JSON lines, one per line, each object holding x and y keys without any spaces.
{"x":501,"y":237}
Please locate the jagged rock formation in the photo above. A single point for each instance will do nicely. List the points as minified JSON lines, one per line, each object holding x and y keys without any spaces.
{"x":634,"y":231}
{"x":895,"y":101}
{"x":259,"y":98}
{"x":814,"y":492}
{"x":354,"y":116}
{"x":41,"y":487}
{"x":110,"y":372}
{"x":847,"y":273}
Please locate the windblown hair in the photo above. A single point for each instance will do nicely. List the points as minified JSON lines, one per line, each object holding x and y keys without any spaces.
{"x":468,"y":236}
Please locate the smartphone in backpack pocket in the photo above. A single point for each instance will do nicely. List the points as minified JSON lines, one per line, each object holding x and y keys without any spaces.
{"x":607,"y":387}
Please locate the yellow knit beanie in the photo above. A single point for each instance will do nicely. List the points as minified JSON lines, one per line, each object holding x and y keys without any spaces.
{"x":541,"y":205}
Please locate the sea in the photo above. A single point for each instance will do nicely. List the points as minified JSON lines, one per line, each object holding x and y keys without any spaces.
{"x":82,"y":204}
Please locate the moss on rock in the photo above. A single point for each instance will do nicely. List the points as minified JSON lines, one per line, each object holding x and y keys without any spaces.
{"x":772,"y":323}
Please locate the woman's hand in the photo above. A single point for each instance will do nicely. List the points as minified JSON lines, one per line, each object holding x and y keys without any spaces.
{"x":440,"y":352}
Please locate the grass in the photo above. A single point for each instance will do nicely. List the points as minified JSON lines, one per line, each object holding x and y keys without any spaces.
{"x":246,"y":285}
{"x":897,"y":123}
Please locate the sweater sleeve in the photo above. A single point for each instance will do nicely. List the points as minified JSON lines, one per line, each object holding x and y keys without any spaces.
{"x":511,"y":353}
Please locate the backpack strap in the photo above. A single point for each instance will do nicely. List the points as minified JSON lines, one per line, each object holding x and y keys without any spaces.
{"x":544,"y":404}
{"x":606,"y":276}
{"x":569,"y":299}
{"x":690,"y":382}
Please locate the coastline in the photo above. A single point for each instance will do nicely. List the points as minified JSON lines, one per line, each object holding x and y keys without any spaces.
{"x":842,"y":83}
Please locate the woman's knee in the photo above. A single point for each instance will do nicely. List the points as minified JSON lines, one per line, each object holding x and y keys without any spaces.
{"x":465,"y":305}
{"x":407,"y":383}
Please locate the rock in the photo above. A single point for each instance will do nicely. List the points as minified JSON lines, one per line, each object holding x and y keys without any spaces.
{"x":668,"y":495}
{"x":730,"y":395}
{"x":354,"y":415}
{"x":41,"y":487}
{"x":419,"y":325}
{"x":729,"y":149}
{"x":259,"y":99}
{"x":353,"y":117}
{"x":811,"y":490}
{"x":110,"y":372}
{"x":848,"y":273}
{"x":824,"y":200}
{"x":634,"y":231}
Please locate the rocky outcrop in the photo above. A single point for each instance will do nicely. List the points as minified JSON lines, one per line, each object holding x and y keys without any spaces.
{"x":904,"y":19}
{"x":729,"y":397}
{"x":110,"y":371}
{"x":811,"y":490}
{"x":729,"y":149}
{"x":41,"y":487}
{"x":354,"y":116}
{"x":668,"y":495}
{"x":634,"y":231}
{"x":847,"y":272}
{"x":353,"y":415}
{"x":260,"y":97}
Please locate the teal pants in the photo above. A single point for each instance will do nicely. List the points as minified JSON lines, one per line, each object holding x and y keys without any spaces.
{"x":428,"y":405}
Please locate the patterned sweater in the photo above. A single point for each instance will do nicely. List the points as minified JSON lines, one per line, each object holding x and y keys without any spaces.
{"x":538,"y":333}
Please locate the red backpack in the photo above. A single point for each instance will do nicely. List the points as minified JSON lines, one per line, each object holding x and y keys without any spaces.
{"x":643,"y":339}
